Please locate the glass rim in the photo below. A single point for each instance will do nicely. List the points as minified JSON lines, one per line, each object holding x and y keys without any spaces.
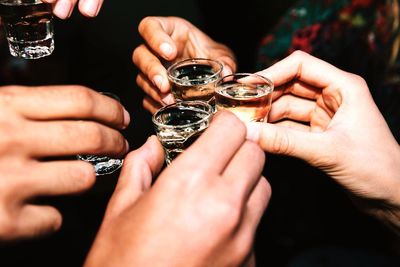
{"x":193,"y":60}
{"x":21,"y":2}
{"x":262,"y":77}
{"x":206,"y":118}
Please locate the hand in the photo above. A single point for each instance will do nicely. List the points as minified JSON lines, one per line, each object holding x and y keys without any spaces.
{"x":328,"y":118}
{"x":63,"y":8}
{"x":38,"y":126}
{"x":171,"y":39}
{"x":203,"y":209}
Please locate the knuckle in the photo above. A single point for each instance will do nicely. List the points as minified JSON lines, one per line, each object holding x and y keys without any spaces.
{"x":358,"y":80}
{"x":95,"y":137}
{"x":8,"y":94}
{"x":82,"y":100}
{"x":84,"y":176}
{"x":144,"y":23}
{"x":299,"y":54}
{"x":8,"y":228}
{"x":255,"y":150}
{"x":119,"y":143}
{"x":10,"y":134}
{"x":232,"y":122}
{"x":280,"y":143}
{"x":229,"y":209}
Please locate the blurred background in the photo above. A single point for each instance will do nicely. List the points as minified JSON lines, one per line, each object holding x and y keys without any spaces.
{"x":310,"y":220}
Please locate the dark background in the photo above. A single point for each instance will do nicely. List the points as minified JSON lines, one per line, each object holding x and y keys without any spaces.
{"x":308,"y":212}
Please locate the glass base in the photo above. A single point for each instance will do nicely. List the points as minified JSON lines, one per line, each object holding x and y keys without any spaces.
{"x":102,"y":165}
{"x":31,"y":49}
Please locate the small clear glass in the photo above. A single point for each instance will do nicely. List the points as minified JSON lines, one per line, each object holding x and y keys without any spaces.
{"x":178,"y":125}
{"x":29,"y":27}
{"x":103,"y":165}
{"x":247,"y":95}
{"x":194,"y":78}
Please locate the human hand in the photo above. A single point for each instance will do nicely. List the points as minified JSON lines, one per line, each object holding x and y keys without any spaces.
{"x":38,"y":127}
{"x":202,"y":210}
{"x":63,"y":8}
{"x":328,"y":118}
{"x":171,"y":39}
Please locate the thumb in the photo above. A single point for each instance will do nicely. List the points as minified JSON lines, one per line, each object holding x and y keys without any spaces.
{"x":139,"y":168}
{"x":308,"y":146}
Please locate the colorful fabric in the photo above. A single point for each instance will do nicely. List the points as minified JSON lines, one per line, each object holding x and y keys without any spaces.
{"x":355,"y":35}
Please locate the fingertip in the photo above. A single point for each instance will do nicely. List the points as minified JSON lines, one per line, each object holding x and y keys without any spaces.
{"x":168,"y":51}
{"x":90,"y":8}
{"x":226,"y":70}
{"x":127,"y":118}
{"x":253,"y":131}
{"x":63,"y":9}
{"x":168,"y":99}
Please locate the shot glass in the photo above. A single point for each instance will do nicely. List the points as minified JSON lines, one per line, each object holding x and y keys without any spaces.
{"x":194,"y":79}
{"x":247,"y":95}
{"x":29,"y":27}
{"x":178,"y":125}
{"x":102,"y":164}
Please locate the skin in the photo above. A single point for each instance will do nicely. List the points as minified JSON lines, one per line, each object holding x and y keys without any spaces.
{"x":328,"y":118}
{"x":39,"y":128}
{"x":195,"y":214}
{"x":63,"y":8}
{"x":167,"y":40}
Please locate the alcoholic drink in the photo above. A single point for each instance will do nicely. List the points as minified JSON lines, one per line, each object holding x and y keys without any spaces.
{"x":249,"y":99}
{"x":246,"y":102}
{"x":194,"y":79}
{"x":179,"y":125}
{"x":29,"y":27}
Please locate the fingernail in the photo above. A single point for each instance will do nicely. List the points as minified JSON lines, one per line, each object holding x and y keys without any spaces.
{"x":168,"y":99}
{"x":126,"y":145}
{"x":127,"y":118}
{"x":63,"y":9}
{"x":226,"y":70}
{"x":167,"y":49}
{"x":91,"y":7}
{"x":158,"y":81}
{"x":253,"y":131}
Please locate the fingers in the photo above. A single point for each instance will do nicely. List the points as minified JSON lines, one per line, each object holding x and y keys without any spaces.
{"x":151,"y":105}
{"x":66,"y":138}
{"x":297,"y":88}
{"x":140,"y":166}
{"x":215,"y":147}
{"x":256,"y":206}
{"x":156,"y":32}
{"x":291,"y":107}
{"x":36,"y":221}
{"x":58,"y":178}
{"x":245,"y":168}
{"x":64,"y":102}
{"x":90,"y":8}
{"x":290,"y":142}
{"x":153,"y":92}
{"x":151,"y":67}
{"x":63,"y":8}
{"x":306,"y":68}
